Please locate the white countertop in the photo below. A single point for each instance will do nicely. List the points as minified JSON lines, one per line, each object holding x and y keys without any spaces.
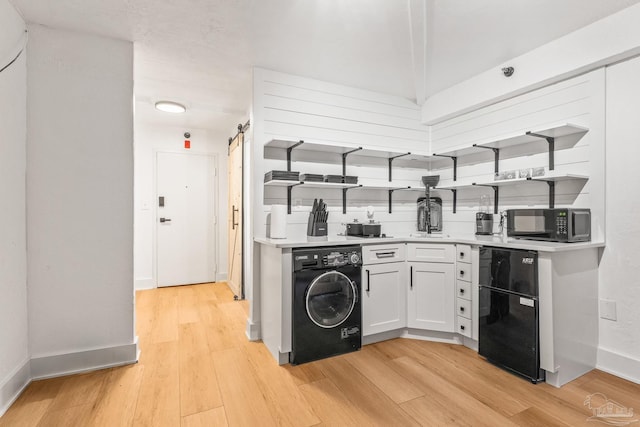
{"x":471,"y":239}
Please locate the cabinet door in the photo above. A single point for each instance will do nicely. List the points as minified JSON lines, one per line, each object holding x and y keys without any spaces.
{"x":384,"y":297}
{"x":431,"y":296}
{"x":431,"y":252}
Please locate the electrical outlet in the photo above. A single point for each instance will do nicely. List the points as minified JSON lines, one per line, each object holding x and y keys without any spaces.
{"x":608,"y":310}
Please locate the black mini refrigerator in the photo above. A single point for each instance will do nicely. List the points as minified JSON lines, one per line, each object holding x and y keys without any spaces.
{"x":508,"y":311}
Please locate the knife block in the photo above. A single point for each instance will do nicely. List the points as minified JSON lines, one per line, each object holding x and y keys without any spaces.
{"x":316,"y":228}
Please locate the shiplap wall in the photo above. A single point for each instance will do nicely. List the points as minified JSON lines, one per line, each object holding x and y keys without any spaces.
{"x":295,"y":108}
{"x":288,"y":107}
{"x":579,"y":101}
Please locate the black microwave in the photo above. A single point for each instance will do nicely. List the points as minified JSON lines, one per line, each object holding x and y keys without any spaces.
{"x":555,"y":225}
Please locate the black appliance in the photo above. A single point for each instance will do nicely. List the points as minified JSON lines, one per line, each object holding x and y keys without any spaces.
{"x":327,"y":313}
{"x":509,"y":312}
{"x":433,"y":215}
{"x":556,"y":225}
{"x":363,"y":229}
{"x":484,"y":223}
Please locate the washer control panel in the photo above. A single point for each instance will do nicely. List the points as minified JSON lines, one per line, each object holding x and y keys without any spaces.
{"x":339,"y":258}
{"x":355,"y":258}
{"x":319,"y":258}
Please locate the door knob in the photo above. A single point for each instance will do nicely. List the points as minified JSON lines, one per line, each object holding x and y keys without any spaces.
{"x":165,"y":219}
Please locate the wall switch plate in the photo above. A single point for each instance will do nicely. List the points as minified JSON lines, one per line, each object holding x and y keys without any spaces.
{"x":608,"y":310}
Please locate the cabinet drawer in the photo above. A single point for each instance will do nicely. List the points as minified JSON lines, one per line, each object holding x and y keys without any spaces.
{"x":430,"y":252}
{"x":463,"y":272}
{"x":464,"y":326}
{"x":379,"y":254}
{"x":463,"y":290}
{"x":463,"y":308}
{"x":463,"y":253}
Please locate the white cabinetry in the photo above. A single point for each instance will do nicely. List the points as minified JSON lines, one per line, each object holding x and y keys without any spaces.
{"x":384,"y":284}
{"x":431,"y":293}
{"x":464,"y":310}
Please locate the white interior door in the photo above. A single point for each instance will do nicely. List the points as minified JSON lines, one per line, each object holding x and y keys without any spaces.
{"x":185,"y":219}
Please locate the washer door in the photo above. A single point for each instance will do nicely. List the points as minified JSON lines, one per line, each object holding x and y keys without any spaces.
{"x":330,"y":299}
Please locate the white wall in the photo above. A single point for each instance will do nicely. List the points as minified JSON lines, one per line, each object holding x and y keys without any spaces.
{"x":80,"y":201}
{"x":579,"y":101}
{"x":148,"y":141}
{"x":604,"y":42}
{"x":294,"y":108}
{"x":14,"y":334}
{"x":13,"y":32}
{"x":620,"y":266}
{"x":611,"y":39}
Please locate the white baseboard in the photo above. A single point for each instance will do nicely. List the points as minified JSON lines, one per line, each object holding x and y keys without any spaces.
{"x":436,"y":336}
{"x":620,"y":365}
{"x":83,"y":361}
{"x":222,"y":277}
{"x":252,"y":331}
{"x":14,"y":384}
{"x":142,"y":284}
{"x":414,"y":334}
{"x":382,"y":336}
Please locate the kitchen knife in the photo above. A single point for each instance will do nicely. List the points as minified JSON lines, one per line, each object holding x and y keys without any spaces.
{"x":315,"y":205}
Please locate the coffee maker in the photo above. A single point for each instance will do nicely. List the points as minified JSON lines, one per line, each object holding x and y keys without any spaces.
{"x":484,"y":219}
{"x":425,"y":219}
{"x":435,"y":215}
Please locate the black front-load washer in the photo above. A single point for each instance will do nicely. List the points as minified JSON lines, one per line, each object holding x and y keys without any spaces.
{"x":327,"y":314}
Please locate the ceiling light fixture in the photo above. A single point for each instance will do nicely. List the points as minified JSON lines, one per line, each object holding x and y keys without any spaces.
{"x":170,"y":107}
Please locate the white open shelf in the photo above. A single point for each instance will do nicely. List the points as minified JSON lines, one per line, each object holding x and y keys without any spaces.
{"x":554,"y":177}
{"x":341,"y":149}
{"x":310,"y":184}
{"x":391,"y":186}
{"x":544,"y":137}
{"x":557,"y":131}
{"x":281,"y":183}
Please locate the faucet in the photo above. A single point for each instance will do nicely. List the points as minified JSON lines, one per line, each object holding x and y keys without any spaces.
{"x":501,"y":226}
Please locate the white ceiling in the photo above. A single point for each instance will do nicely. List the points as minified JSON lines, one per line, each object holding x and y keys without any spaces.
{"x":200,"y":52}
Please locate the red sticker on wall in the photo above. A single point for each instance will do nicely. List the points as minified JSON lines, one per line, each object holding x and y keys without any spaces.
{"x":187,"y":143}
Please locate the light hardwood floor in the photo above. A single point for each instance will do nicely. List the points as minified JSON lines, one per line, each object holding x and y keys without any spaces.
{"x":197,"y":369}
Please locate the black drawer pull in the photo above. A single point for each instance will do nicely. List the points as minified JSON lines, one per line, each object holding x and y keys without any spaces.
{"x":462,"y":327}
{"x":411,"y":277}
{"x":462,"y":309}
{"x":385,"y":254}
{"x":368,"y":281}
{"x":461,"y":254}
{"x":461,"y":272}
{"x":461,"y":291}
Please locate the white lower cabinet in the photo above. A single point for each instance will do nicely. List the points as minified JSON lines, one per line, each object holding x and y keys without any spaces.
{"x":466,"y":285}
{"x":384,"y":297}
{"x":431,"y":296}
